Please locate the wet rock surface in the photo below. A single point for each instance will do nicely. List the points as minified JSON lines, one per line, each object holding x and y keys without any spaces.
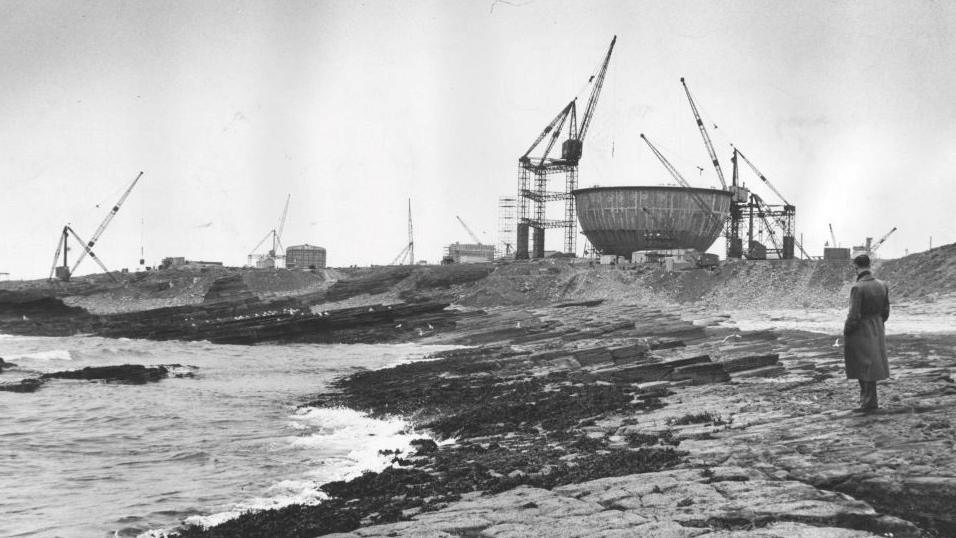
{"x":610,"y":420}
{"x":133,"y":374}
{"x":591,"y":406}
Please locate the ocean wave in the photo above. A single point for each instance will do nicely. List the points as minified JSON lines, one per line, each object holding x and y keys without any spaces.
{"x":51,"y":355}
{"x":333,"y":433}
{"x":283,"y":494}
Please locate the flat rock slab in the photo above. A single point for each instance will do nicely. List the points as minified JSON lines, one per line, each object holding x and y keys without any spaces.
{"x":724,"y":501}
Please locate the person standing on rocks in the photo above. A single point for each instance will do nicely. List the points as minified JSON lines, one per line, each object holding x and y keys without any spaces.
{"x":864,"y":334}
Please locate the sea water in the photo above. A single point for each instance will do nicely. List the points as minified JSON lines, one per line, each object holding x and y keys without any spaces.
{"x":81,"y":458}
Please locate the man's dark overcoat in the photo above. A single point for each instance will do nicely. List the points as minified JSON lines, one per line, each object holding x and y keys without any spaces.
{"x":865,"y":349}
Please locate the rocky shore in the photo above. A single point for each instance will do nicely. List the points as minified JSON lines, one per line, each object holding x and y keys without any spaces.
{"x":599,"y":401}
{"x":611,"y":420}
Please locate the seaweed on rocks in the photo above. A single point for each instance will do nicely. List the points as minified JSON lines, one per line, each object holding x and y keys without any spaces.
{"x":498,"y":408}
{"x":512,"y":428}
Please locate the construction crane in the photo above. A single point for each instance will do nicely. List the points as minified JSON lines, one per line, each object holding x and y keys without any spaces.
{"x":683,"y":182}
{"x":882,"y":240}
{"x":785,"y":218}
{"x":407,"y":255}
{"x":833,"y":236}
{"x":706,"y":137}
{"x":63,"y":271}
{"x":99,"y":231}
{"x":761,"y":176}
{"x":783,"y":215}
{"x":269,"y":259}
{"x":763,"y":210}
{"x":467,"y":229}
{"x":533,"y":192}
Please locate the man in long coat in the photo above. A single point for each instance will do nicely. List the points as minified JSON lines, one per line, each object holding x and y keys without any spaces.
{"x":865,"y":347}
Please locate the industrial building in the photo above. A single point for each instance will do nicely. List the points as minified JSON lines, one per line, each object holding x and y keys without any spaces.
{"x":470,"y":253}
{"x":305,"y":257}
{"x":180,"y":262}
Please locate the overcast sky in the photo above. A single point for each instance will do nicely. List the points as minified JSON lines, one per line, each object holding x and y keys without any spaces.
{"x":355,"y":107}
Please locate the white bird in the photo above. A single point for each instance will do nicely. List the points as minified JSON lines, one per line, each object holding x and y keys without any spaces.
{"x":430,"y":327}
{"x":517,"y":325}
{"x":734,"y":336}
{"x":399,"y":326}
{"x":836,"y":343}
{"x":420,"y":332}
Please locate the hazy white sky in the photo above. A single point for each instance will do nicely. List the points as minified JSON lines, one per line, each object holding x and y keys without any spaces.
{"x":354,"y":107}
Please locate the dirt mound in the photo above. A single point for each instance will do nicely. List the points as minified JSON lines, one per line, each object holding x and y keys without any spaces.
{"x":778,"y":284}
{"x":370,"y":281}
{"x":784,"y":284}
{"x":274,"y":283}
{"x":924,"y":275}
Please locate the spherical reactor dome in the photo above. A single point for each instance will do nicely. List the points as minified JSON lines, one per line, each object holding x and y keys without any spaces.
{"x":623,"y":220}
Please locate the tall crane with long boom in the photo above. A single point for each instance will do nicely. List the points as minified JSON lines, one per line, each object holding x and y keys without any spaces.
{"x":467,"y":229}
{"x":832,"y":236}
{"x":63,"y":271}
{"x":706,"y":137}
{"x":88,"y":249}
{"x":269,"y":259}
{"x":785,"y":217}
{"x":882,"y":240}
{"x":407,"y":255}
{"x":533,"y":190}
{"x":761,"y":176}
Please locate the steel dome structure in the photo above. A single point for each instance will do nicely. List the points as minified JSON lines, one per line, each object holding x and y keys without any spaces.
{"x":623,"y":220}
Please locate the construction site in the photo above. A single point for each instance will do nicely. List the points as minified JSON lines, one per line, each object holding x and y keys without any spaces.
{"x":478,"y":269}
{"x":670,"y":226}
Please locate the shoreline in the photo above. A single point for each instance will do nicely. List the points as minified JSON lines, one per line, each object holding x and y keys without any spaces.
{"x":656,"y":426}
{"x":619,"y":401}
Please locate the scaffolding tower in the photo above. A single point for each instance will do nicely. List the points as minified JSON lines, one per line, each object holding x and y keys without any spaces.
{"x":536,"y":171}
{"x":507,"y":215}
{"x":534,"y":199}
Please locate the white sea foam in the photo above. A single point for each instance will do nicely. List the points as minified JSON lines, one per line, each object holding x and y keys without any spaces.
{"x":354,"y":438}
{"x":346,"y":444}
{"x":51,"y":355}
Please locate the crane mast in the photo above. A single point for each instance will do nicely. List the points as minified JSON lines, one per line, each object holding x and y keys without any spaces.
{"x":595,"y":94}
{"x":63,"y":272}
{"x":277,"y":235}
{"x":762,"y":177}
{"x":408,"y":253}
{"x":467,"y":229}
{"x":411,"y":238}
{"x":706,"y":137}
{"x":882,"y":240}
{"x":533,"y":193}
{"x":99,"y":231}
{"x":781,"y":216}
